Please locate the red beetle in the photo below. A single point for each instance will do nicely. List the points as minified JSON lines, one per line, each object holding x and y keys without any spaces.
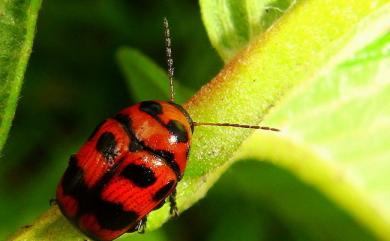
{"x":129,"y":165}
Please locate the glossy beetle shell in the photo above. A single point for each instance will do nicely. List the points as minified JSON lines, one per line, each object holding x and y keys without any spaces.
{"x":127,"y":168}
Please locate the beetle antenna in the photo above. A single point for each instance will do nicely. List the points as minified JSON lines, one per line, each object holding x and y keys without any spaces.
{"x":171,"y":72}
{"x":168,"y":52}
{"x":235,"y":125}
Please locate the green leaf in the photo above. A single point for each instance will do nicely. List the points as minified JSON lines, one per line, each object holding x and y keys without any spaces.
{"x":287,"y":63}
{"x":145,"y":79}
{"x":17,"y":28}
{"x":305,"y":52}
{"x":231,"y":24}
{"x":336,"y":138}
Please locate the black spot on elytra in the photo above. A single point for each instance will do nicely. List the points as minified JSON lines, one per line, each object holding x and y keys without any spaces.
{"x":125,"y":121}
{"x":178,"y":130}
{"x":169,"y":160}
{"x":163,"y":192}
{"x":140,"y":175}
{"x":106,"y":145}
{"x":96,"y":130}
{"x":151,"y":107}
{"x":185,"y":113}
{"x":112,"y":216}
{"x":73,"y":179}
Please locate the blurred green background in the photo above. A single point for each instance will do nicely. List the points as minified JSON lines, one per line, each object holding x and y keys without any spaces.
{"x":73,"y":81}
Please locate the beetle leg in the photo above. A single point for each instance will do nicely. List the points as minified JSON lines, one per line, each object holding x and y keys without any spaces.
{"x":172,"y":201}
{"x":142,"y":225}
{"x":139,"y":227}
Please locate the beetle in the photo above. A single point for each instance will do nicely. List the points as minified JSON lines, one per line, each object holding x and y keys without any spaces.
{"x":130,"y":165}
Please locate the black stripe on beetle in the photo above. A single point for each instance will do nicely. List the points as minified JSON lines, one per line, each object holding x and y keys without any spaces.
{"x":73,"y":179}
{"x":140,"y":175}
{"x":90,"y":202}
{"x":112,"y":216}
{"x":125,"y":121}
{"x":106,"y":145}
{"x":178,"y":130}
{"x":163,"y":192}
{"x":169,"y":159}
{"x":136,"y":145}
{"x":97,"y":189}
